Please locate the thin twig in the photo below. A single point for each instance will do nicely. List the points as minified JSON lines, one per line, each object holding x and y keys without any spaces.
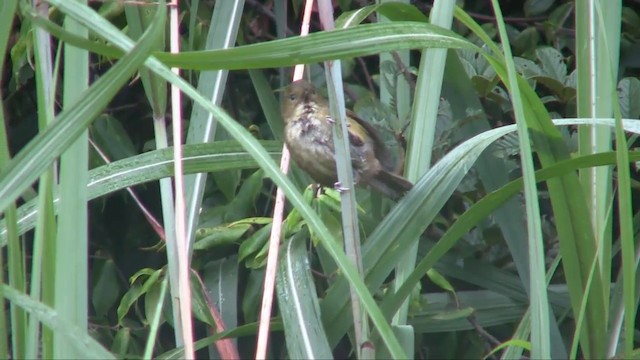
{"x":491,"y":340}
{"x":225,"y":347}
{"x":155,"y":224}
{"x":367,"y":76}
{"x":404,"y":70}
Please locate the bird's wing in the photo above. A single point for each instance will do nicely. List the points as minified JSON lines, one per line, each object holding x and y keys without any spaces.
{"x":381,"y":150}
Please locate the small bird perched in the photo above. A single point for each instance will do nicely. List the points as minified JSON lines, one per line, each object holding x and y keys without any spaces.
{"x":309,"y":136}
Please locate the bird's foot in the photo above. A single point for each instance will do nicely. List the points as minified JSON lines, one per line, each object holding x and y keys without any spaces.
{"x":331,"y":121}
{"x":317,"y":189}
{"x":339,"y":188}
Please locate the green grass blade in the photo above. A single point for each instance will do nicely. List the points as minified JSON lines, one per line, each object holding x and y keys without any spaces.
{"x":367,"y":39}
{"x":298,"y":301}
{"x":424,"y":115}
{"x":202,"y":126}
{"x":541,"y":343}
{"x":608,"y":19}
{"x":155,"y":322}
{"x":7,"y":14}
{"x":42,"y":282}
{"x":72,"y":245}
{"x":77,"y":338}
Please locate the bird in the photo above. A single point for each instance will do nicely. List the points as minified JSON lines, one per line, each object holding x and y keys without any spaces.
{"x":308,"y":133}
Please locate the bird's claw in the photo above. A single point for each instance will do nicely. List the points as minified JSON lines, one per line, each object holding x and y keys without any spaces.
{"x":339,"y":188}
{"x":331,"y":121}
{"x":317,"y":189}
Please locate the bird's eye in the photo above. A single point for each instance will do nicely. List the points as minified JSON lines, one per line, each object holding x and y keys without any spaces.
{"x":313,"y":92}
{"x":292,"y":97}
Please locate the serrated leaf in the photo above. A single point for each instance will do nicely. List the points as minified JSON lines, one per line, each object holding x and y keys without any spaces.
{"x":555,"y":85}
{"x":552,"y":63}
{"x":527,"y":67}
{"x":628,"y":95}
{"x":559,"y":15}
{"x":526,"y":40}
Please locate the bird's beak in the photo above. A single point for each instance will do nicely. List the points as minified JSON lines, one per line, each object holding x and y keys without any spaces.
{"x":306,"y":96}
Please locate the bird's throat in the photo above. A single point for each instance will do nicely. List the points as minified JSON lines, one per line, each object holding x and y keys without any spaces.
{"x":309,"y":109}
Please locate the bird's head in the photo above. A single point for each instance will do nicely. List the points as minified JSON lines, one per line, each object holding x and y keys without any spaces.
{"x":295,"y":96}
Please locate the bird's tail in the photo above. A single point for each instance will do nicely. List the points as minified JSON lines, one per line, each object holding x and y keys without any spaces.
{"x":389,"y":184}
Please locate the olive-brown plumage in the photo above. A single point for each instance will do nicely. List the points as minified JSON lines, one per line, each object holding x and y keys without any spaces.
{"x":309,"y":136}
